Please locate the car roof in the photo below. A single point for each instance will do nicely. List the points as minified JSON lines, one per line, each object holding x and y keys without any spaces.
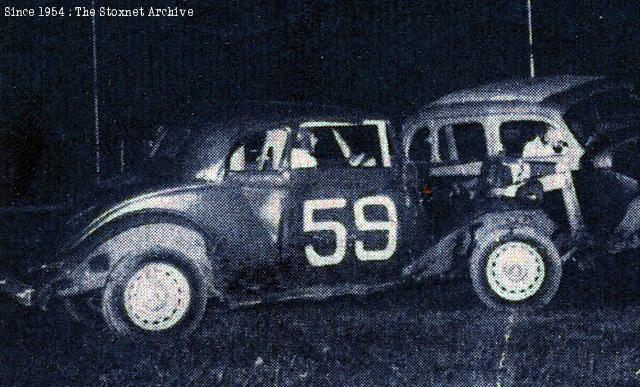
{"x":267,"y":115}
{"x":218,"y":130}
{"x":550,"y":94}
{"x":545,"y":95}
{"x":532,"y":90}
{"x":556,"y":93}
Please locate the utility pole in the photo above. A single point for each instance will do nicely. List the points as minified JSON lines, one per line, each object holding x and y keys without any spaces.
{"x":96,"y":108}
{"x":532,"y":68}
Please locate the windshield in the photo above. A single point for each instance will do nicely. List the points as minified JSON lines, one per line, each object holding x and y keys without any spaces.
{"x":165,"y":151}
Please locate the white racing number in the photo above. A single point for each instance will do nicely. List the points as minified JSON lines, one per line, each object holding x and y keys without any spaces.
{"x":310,"y":225}
{"x":362,"y":224}
{"x":390,"y":226}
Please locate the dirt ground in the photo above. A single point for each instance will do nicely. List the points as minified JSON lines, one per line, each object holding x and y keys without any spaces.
{"x":437,"y":334}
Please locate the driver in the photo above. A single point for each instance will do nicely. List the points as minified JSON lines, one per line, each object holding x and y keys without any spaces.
{"x":546,"y":143}
{"x":354,"y":159}
{"x":302,"y":155}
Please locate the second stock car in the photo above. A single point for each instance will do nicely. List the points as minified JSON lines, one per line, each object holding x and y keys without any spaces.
{"x":565,"y":145}
{"x":277,"y":202}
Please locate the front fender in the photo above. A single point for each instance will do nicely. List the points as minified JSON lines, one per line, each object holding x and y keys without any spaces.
{"x":88,"y":265}
{"x":239,"y":224}
{"x":537,"y":219}
{"x":174,"y":201}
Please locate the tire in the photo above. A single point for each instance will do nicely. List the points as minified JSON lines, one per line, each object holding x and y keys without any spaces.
{"x":527,"y":269}
{"x":155,"y":296}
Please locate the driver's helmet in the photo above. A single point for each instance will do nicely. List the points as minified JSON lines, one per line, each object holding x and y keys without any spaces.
{"x":306,"y":140}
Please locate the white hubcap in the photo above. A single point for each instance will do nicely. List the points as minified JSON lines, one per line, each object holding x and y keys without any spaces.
{"x":515,"y":271}
{"x":157,"y":296}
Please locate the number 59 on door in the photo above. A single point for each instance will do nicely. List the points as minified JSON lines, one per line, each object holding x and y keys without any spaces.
{"x":390,"y":226}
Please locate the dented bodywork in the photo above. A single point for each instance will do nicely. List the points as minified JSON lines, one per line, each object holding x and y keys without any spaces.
{"x":567,"y":145}
{"x":245,"y":199}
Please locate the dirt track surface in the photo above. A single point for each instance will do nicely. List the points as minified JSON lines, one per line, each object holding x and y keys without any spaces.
{"x":434,"y":335}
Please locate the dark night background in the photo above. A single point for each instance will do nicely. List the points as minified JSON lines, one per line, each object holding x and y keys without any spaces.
{"x":386,"y":56}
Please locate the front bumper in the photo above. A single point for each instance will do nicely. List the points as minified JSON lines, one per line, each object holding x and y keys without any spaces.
{"x":36,"y":291}
{"x":17,"y":290}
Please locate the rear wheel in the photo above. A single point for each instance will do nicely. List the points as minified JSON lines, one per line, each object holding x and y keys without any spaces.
{"x":158,"y":296}
{"x":515,"y":269}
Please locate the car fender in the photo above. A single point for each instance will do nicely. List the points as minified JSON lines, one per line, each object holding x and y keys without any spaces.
{"x":536,"y":219}
{"x":95,"y":253}
{"x":237,"y":236}
{"x":173,"y":200}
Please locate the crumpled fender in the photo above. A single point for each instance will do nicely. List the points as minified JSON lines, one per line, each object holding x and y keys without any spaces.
{"x":439,"y":258}
{"x":537,"y":219}
{"x":131,"y":227}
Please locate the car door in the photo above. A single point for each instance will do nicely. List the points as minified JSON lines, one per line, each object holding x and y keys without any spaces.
{"x":346,"y":207}
{"x":461,"y":148}
{"x":257,"y":170}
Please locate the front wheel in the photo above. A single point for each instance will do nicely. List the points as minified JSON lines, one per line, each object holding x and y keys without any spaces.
{"x":158,"y":296}
{"x":515,"y":269}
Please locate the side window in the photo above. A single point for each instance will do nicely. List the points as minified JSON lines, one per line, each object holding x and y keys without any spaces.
{"x":514,"y":135}
{"x":420,"y":148}
{"x":465,"y":142}
{"x":260,"y":151}
{"x":531,"y":139}
{"x":359,"y":146}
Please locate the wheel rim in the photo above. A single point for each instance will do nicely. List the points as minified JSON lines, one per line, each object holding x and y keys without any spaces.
{"x":157,"y":296}
{"x":515,"y":271}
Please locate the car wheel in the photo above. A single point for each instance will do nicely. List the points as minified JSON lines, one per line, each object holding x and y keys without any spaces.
{"x":515,"y":269}
{"x":159,"y":297}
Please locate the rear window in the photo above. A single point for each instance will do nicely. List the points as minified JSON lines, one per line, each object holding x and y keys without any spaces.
{"x":465,"y":142}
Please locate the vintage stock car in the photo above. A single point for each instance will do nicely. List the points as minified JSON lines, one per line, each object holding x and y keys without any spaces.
{"x":281,"y":201}
{"x":564,"y":145}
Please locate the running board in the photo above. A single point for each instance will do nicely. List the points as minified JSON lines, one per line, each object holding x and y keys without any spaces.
{"x":313,"y":293}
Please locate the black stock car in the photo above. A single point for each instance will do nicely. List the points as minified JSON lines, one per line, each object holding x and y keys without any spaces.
{"x":293,"y":202}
